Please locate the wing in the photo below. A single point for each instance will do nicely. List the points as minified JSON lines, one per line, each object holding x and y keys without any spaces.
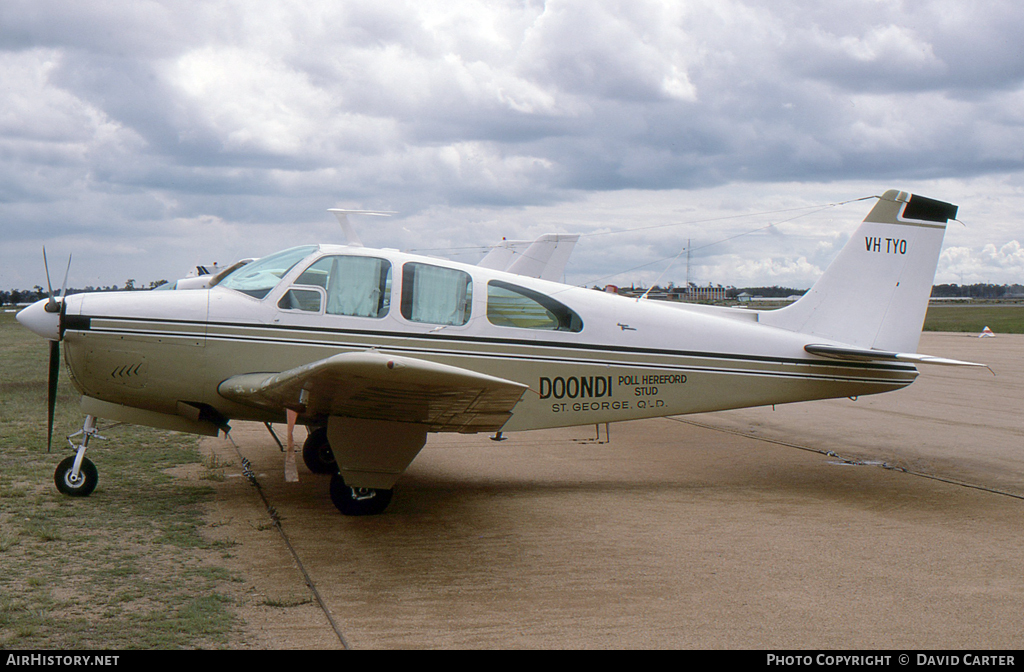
{"x":869,"y":355}
{"x":376,"y":386}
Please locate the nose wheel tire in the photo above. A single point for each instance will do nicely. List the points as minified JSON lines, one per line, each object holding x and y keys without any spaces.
{"x":358,"y":501}
{"x":317,"y":454}
{"x":83,"y":485}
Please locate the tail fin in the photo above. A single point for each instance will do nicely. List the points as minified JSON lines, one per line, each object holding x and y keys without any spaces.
{"x":875,"y":293}
{"x":544,"y":258}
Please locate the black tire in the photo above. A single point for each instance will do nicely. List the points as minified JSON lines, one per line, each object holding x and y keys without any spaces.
{"x":88,"y":477}
{"x":317,"y":454}
{"x":358,"y":501}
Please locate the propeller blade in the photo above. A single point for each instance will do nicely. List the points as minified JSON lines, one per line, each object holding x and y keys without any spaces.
{"x":51,"y":305}
{"x":46,"y":267}
{"x":64,"y":287}
{"x":49,"y":288}
{"x":51,"y":391}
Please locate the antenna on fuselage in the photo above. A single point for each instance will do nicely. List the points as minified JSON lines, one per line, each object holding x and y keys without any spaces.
{"x":346,"y":226}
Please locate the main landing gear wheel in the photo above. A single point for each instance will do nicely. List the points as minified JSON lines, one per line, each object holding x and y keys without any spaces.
{"x":83,"y":485}
{"x":358,"y":501}
{"x":317,"y":453}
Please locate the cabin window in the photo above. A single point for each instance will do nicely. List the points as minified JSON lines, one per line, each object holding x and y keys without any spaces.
{"x":259,"y":277}
{"x":354,"y":286}
{"x":436,"y":295}
{"x":301,"y":299}
{"x":509,"y":305}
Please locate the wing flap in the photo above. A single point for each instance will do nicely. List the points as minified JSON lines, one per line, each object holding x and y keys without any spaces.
{"x":376,"y":386}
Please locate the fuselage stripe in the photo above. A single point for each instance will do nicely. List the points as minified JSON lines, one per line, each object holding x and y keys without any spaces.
{"x":436,"y":338}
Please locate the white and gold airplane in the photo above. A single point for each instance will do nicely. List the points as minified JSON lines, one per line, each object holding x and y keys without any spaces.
{"x":374,"y":349}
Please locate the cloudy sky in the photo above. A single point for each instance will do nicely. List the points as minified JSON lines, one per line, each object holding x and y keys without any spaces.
{"x":148,"y":136}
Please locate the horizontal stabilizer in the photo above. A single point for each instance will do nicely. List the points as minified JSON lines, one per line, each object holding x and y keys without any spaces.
{"x":868,"y":355}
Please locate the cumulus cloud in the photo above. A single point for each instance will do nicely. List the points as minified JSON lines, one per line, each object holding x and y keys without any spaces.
{"x":122,"y":120}
{"x":997,"y":264}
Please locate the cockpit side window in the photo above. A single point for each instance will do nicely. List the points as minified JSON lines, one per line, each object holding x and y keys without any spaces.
{"x":308,"y":300}
{"x":259,"y":277}
{"x":436,"y":295}
{"x":509,"y":305}
{"x":355,"y":286}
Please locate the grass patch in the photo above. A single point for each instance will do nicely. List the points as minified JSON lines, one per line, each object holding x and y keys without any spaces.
{"x":213,"y":469}
{"x":972,"y":318}
{"x":127,"y":567}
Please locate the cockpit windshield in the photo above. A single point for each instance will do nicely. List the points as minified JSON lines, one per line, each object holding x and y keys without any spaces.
{"x":259,"y":277}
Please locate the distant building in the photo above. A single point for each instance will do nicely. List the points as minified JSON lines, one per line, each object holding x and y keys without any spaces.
{"x":694,"y":293}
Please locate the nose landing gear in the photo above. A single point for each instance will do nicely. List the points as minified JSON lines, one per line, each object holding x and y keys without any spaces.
{"x":78,"y":482}
{"x":77,"y":476}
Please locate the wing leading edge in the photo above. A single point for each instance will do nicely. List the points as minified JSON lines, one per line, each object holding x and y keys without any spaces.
{"x":376,"y":386}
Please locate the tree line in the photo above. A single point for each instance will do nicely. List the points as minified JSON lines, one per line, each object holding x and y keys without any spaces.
{"x":17,"y":296}
{"x":979,"y":291}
